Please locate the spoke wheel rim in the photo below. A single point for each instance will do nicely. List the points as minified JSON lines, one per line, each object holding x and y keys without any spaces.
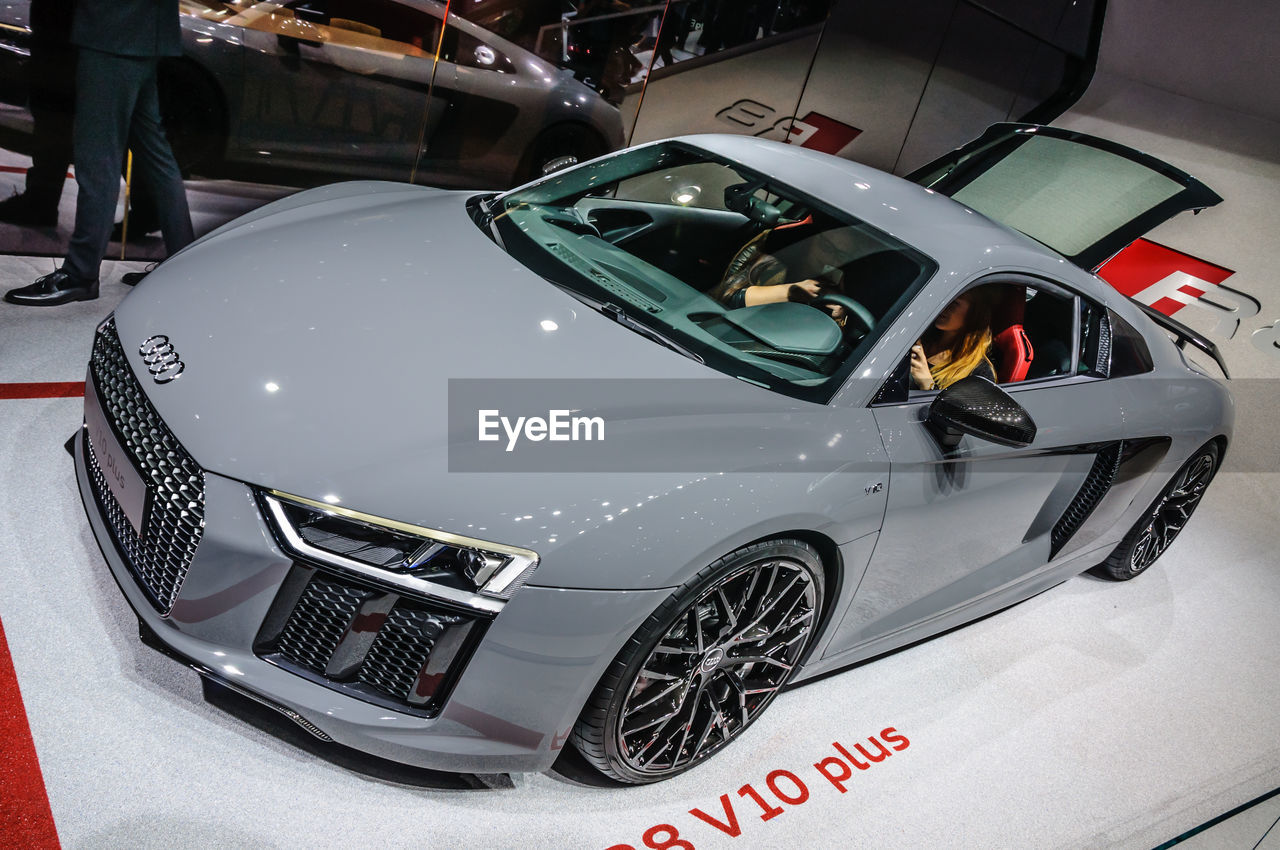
{"x":1172,"y":512}
{"x":717,"y":667}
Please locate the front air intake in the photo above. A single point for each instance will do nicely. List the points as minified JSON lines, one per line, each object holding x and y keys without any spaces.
{"x":1096,"y":484}
{"x":368,"y":641}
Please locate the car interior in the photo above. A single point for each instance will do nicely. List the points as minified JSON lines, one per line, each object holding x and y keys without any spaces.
{"x":1033,"y":333}
{"x":665,"y":244}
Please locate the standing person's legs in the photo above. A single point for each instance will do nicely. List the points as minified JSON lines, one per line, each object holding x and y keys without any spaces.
{"x":154,"y":164}
{"x":52,"y":104}
{"x":106,"y":92}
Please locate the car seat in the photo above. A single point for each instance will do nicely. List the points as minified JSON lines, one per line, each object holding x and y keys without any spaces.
{"x":1010,"y":342}
{"x":1048,"y":321}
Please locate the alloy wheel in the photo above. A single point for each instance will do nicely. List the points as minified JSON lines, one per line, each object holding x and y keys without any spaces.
{"x":717,"y":666}
{"x":1172,"y":512}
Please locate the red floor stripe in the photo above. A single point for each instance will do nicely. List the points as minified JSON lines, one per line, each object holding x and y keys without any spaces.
{"x":61,"y":389}
{"x":25,"y":818}
{"x":15,"y":169}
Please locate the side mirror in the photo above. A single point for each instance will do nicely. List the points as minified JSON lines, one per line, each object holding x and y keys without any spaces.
{"x":976,"y":406}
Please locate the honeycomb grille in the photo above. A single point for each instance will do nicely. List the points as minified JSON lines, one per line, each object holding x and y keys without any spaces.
{"x":400,"y":652}
{"x":1096,"y":484}
{"x":160,"y":557}
{"x":370,"y":642}
{"x":322,"y":617}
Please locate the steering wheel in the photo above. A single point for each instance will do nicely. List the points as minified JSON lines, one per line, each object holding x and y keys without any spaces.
{"x":852,"y":307}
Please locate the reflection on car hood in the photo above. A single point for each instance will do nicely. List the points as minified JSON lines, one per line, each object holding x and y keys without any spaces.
{"x":318,"y":337}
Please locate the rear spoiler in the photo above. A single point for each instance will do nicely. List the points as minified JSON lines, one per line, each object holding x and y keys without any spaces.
{"x":1186,"y":335}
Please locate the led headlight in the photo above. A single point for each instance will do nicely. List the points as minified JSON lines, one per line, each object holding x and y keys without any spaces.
{"x":423,"y":560}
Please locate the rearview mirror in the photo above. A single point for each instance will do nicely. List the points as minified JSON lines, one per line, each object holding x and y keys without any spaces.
{"x":976,"y":406}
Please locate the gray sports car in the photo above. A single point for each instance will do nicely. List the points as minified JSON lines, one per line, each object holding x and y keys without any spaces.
{"x":352,"y":87}
{"x":312,"y":458}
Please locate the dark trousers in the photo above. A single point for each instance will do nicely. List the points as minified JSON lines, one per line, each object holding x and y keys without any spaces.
{"x":117,"y":107}
{"x":52,"y":100}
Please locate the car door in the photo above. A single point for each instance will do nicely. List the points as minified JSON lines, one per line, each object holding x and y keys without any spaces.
{"x":344,"y":83}
{"x":486,"y":93}
{"x":964,"y":524}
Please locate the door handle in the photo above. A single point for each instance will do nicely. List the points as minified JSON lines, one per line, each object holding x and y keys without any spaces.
{"x":290,"y":44}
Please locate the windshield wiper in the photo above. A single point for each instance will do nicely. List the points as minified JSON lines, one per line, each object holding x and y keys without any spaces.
{"x":483,"y":215}
{"x":613,"y":311}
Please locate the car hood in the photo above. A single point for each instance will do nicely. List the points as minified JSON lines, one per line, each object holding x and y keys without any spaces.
{"x":319,"y":335}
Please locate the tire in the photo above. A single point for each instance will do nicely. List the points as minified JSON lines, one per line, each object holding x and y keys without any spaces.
{"x":194,"y":116}
{"x":1168,"y":514}
{"x":559,"y":147}
{"x":761,"y":603}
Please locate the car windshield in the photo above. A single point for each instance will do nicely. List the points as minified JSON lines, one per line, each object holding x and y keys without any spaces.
{"x":721,"y":263}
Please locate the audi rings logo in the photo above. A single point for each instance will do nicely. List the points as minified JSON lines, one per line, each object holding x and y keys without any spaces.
{"x":161,"y":358}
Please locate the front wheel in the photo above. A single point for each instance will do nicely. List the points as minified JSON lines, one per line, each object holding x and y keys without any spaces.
{"x":705,"y":664}
{"x":1167,"y":516}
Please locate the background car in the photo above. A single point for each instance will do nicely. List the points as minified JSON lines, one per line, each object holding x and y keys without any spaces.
{"x":282,"y":463}
{"x":352,"y":87}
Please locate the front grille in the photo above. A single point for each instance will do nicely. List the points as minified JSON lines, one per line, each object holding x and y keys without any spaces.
{"x":370,"y":642}
{"x":160,"y":557}
{"x":1096,"y":484}
{"x":322,"y":617}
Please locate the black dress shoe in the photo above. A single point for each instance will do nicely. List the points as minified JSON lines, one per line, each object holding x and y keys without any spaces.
{"x":56,"y":288}
{"x":25,"y":211}
{"x":135,"y":278}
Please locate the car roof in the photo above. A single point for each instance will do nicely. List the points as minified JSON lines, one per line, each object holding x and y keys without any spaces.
{"x":958,"y":238}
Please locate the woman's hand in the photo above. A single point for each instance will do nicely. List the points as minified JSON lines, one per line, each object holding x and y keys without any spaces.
{"x":778,"y":293}
{"x":920,"y":375}
{"x":810,"y":287}
{"x":754,"y":295}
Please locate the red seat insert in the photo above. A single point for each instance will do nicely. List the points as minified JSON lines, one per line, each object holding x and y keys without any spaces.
{"x":1010,"y":343}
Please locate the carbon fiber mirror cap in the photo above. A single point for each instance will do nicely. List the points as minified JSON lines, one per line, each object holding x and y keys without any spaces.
{"x":976,"y":406}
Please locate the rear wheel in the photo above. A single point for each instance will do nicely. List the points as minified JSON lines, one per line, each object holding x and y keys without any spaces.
{"x":705,"y":665}
{"x":558,"y":147}
{"x":194,"y":117}
{"x":1166,"y":517}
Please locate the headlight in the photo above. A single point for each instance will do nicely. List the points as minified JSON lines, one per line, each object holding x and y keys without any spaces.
{"x":424,"y":560}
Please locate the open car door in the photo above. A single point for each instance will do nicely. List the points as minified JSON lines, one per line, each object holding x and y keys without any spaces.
{"x":1084,"y":197}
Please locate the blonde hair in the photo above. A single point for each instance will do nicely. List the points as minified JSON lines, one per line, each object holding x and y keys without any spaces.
{"x":969,"y":351}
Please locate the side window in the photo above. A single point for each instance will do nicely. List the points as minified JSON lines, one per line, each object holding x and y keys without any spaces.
{"x":1049,"y":323}
{"x":1009,"y":332}
{"x":1035,"y":333}
{"x":381,"y":25}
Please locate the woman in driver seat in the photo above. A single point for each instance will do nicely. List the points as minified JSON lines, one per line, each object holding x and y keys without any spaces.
{"x":958,"y":343}
{"x":756,"y":277}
